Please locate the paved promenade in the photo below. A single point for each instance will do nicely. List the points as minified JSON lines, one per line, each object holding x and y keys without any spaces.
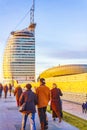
{"x":10,"y":118}
{"x":74,"y":109}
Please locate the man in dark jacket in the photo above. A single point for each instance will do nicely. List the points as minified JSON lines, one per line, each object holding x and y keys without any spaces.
{"x":86,"y":106}
{"x":1,"y":88}
{"x":30,"y":99}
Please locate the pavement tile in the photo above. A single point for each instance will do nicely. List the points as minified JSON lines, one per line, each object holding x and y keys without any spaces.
{"x":10,"y":118}
{"x":75,"y":109}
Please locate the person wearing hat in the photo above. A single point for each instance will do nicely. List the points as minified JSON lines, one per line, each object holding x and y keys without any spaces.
{"x":30,"y":99}
{"x":43,"y":95}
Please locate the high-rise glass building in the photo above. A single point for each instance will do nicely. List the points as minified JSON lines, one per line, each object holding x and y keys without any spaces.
{"x":19,"y":56}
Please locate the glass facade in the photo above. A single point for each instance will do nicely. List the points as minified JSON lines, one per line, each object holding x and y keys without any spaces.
{"x":19,"y":56}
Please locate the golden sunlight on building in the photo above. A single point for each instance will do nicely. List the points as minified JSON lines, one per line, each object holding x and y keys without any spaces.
{"x":71,"y":79}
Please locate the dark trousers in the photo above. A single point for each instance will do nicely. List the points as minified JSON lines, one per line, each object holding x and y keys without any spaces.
{"x":0,"y":94}
{"x":42,"y":115}
{"x":17,"y":102}
{"x":10,"y":92}
{"x":5,"y":94}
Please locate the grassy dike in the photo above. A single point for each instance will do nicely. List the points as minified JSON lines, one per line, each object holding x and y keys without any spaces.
{"x":73,"y":120}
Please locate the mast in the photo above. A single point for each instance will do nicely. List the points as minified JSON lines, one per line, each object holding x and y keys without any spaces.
{"x":32,"y":24}
{"x":32,"y":13}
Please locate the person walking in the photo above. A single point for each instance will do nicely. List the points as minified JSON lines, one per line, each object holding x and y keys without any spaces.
{"x":17,"y":93}
{"x":56,"y":102}
{"x":83,"y":107}
{"x":86,"y":106}
{"x":10,"y":89}
{"x":1,"y":89}
{"x":43,"y":95}
{"x":5,"y":90}
{"x":30,"y":98}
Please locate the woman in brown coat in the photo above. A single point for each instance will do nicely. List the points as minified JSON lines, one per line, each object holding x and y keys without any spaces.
{"x":55,"y":101}
{"x":17,"y":93}
{"x":5,"y":90}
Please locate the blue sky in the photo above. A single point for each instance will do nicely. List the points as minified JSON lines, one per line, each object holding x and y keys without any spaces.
{"x":61,"y":31}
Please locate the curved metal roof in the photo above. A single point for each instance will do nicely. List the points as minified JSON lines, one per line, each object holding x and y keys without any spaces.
{"x":64,"y":70}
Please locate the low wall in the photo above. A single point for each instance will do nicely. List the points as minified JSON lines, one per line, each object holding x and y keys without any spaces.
{"x":74,"y":97}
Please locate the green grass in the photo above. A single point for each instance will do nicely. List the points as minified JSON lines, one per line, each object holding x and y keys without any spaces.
{"x":73,"y":120}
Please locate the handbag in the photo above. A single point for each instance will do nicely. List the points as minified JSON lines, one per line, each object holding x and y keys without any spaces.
{"x":22,"y":107}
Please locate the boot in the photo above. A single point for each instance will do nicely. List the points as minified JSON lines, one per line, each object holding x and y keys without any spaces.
{"x":59,"y":120}
{"x":46,"y":125}
{"x":42,"y":126}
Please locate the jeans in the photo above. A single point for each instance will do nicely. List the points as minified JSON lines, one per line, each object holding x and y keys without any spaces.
{"x":31,"y":117}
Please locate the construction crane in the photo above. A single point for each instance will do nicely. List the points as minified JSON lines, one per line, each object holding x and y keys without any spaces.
{"x":32,"y":12}
{"x":32,"y":24}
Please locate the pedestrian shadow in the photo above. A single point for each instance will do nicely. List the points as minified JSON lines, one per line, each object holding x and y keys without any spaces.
{"x":18,"y":127}
{"x":13,"y":108}
{"x":8,"y":101}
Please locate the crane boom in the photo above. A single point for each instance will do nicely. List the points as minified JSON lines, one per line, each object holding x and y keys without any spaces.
{"x":32,"y":24}
{"x":32,"y":13}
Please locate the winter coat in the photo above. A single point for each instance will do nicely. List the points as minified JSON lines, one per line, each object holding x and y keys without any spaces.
{"x":43,"y":95}
{"x":17,"y":92}
{"x":5,"y":89}
{"x":30,"y":99}
{"x":55,"y":100}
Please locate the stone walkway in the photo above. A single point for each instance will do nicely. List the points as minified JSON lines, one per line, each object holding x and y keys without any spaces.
{"x":75,"y":109}
{"x":10,"y":118}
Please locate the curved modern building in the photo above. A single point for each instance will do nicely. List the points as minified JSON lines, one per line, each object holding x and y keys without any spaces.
{"x":71,"y":79}
{"x":64,"y":70}
{"x":19,"y":56}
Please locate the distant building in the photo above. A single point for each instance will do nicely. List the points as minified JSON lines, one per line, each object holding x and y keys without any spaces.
{"x":19,"y":56}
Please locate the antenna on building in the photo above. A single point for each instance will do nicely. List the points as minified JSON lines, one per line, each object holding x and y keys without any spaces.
{"x":32,"y":24}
